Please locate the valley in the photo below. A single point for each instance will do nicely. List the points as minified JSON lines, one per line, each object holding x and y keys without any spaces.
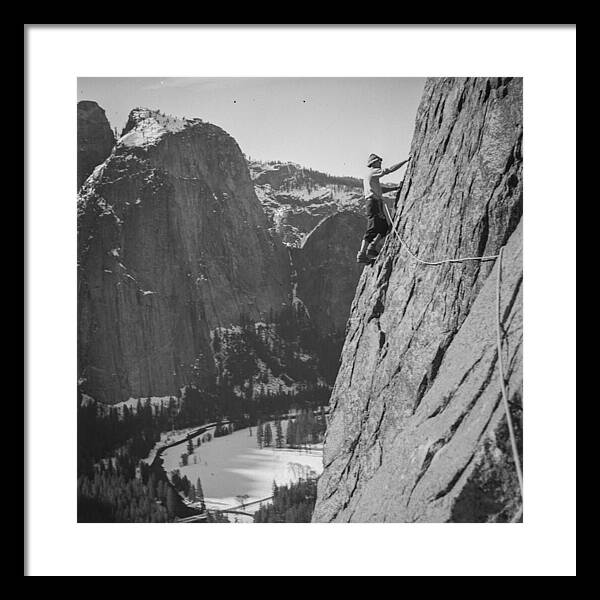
{"x":236,"y":474}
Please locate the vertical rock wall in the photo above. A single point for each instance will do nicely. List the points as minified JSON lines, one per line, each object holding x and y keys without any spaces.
{"x":172,"y":243}
{"x":417,"y":431}
{"x":95,"y":138}
{"x":327,"y":272}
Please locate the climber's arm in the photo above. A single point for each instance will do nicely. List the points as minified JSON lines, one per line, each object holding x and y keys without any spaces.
{"x":394,"y":167}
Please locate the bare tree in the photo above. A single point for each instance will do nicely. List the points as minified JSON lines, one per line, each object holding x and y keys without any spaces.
{"x":242,"y":499}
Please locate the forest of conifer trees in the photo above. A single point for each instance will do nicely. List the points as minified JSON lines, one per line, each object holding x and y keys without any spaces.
{"x":292,"y":503}
{"x":114,"y":483}
{"x":302,"y":429}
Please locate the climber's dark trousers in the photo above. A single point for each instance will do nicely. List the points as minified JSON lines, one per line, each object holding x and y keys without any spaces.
{"x":376,"y":226}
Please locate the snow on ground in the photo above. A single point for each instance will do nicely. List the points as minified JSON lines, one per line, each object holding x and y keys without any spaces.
{"x":86,"y":400}
{"x":155,"y":401}
{"x":233,"y":465}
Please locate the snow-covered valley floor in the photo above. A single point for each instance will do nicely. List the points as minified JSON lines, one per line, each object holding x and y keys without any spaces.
{"x":233,"y":466}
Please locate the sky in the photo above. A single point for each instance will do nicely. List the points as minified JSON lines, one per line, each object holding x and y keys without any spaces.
{"x":327,"y":124}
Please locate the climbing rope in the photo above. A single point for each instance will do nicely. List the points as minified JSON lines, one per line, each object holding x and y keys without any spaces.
{"x":511,"y":430}
{"x":435,"y":262}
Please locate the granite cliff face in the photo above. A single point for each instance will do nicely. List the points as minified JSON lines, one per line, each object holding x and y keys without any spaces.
{"x":95,"y":138}
{"x":173,"y":243}
{"x":417,"y":431}
{"x":296,"y":199}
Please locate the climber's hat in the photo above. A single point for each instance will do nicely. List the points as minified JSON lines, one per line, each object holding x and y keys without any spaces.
{"x":373,"y":158}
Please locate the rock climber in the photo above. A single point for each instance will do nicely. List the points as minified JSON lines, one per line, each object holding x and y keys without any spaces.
{"x":377,"y":226}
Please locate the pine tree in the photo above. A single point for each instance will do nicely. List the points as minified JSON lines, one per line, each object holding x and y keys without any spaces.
{"x":151,"y":487}
{"x":171,"y":501}
{"x":160,"y":490}
{"x":260,"y":435}
{"x":190,"y":447}
{"x":278,"y":435}
{"x":268,"y":436}
{"x":200,"y":493}
{"x":291,"y":436}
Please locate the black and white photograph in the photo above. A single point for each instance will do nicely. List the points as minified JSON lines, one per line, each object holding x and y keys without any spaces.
{"x":299,"y":299}
{"x":262,"y":340}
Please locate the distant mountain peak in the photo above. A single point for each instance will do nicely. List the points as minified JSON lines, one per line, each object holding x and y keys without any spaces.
{"x":273,"y":170}
{"x":146,"y":126}
{"x":296,"y":198}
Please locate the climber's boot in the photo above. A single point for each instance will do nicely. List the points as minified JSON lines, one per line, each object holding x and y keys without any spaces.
{"x":362,"y":257}
{"x":372,"y":252}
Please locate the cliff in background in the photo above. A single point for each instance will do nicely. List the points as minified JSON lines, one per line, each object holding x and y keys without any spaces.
{"x":173,"y":243}
{"x":95,"y":138}
{"x":417,"y":431}
{"x":326,"y":269}
{"x":183,"y":281}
